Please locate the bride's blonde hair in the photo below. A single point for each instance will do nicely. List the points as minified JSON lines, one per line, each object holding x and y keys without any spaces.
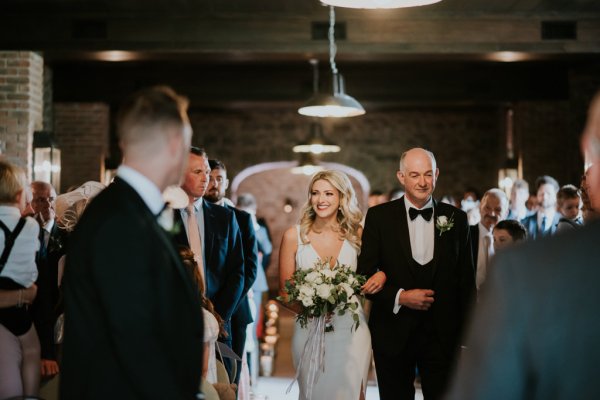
{"x":348,"y":216}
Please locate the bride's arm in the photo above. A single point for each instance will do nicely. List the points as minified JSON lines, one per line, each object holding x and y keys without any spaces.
{"x":375,"y":283}
{"x":287,"y":265}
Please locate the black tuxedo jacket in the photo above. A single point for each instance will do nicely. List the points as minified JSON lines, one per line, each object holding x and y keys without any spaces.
{"x":386,"y":247}
{"x":474,"y":237}
{"x":133,"y":318}
{"x":530,"y":223}
{"x":223,"y":257}
{"x":535,"y":330}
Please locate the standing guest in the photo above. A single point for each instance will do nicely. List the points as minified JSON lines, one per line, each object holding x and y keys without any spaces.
{"x":534,"y":334}
{"x":329,"y":229}
{"x":568,"y":204}
{"x":19,"y":344}
{"x":242,"y":316}
{"x":493,"y":208}
{"x":52,"y":248}
{"x":213,"y":234}
{"x":133,"y":329}
{"x":424,"y":249}
{"x":508,"y":232}
{"x":519,"y":194}
{"x":544,"y":221}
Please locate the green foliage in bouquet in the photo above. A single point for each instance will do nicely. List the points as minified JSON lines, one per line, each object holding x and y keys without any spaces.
{"x":324,"y":289}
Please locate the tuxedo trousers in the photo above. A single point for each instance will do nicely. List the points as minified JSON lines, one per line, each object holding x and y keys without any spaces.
{"x":423,"y":351}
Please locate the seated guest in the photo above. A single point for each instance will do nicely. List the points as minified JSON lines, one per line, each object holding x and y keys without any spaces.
{"x":543,"y":222}
{"x":568,"y":204}
{"x":20,"y":366}
{"x":507,"y":232}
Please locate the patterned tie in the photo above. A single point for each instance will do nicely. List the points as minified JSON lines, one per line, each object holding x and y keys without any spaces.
{"x":488,"y":252}
{"x":194,"y":239}
{"x":543,"y":227}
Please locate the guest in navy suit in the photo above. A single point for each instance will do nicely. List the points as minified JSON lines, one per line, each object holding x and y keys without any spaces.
{"x":133,"y":319}
{"x":220,"y":255}
{"x":242,"y":316}
{"x":544,"y":221}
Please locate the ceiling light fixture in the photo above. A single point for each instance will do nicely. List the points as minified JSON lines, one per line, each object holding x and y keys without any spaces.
{"x":339,"y":104}
{"x":316,"y":142}
{"x":378,"y":3}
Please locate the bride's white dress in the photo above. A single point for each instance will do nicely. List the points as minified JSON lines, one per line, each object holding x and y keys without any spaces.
{"x":347,"y":352}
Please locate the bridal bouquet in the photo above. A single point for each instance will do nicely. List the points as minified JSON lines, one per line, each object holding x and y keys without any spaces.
{"x":324,"y":289}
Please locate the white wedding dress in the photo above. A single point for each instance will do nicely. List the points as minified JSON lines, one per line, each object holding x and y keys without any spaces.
{"x":347,"y":352}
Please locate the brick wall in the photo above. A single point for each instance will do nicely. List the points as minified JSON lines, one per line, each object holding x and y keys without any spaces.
{"x":81,"y":130}
{"x":21,"y":98}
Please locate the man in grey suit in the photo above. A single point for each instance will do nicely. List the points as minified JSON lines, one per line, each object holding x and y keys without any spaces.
{"x":535,"y":331}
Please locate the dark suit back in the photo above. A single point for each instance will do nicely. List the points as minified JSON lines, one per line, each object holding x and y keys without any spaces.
{"x":133,"y":318}
{"x":535,"y":331}
{"x":386,"y":246}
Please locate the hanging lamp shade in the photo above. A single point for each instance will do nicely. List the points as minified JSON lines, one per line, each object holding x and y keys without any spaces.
{"x":378,"y":3}
{"x":307,"y":165}
{"x":338,"y":104}
{"x":316,"y":142}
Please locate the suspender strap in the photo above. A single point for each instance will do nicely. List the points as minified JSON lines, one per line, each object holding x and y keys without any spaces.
{"x":9,"y":240}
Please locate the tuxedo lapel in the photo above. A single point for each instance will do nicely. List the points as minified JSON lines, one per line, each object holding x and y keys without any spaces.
{"x":437,"y":238}
{"x":404,"y":235}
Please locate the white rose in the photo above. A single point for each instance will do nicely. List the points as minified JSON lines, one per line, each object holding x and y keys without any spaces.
{"x":328,"y":273}
{"x":442,"y":220}
{"x":311,"y":277}
{"x":346,"y":288}
{"x":324,"y":291}
{"x":305,"y":291}
{"x":351,"y":280}
{"x":307,"y":301}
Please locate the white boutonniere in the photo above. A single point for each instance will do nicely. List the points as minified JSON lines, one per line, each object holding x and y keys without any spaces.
{"x":444,"y":224}
{"x":166,"y":219}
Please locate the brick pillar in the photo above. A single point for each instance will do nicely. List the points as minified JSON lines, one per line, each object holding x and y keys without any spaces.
{"x":21,"y":101}
{"x":81,"y":130}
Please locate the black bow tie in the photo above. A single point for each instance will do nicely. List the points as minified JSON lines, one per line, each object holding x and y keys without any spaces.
{"x":426,"y":213}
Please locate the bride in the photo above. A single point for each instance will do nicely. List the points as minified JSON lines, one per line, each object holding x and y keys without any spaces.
{"x":330,"y":229}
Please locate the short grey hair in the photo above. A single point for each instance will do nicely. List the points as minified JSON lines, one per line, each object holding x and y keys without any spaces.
{"x":429,"y":153}
{"x":499,"y":194}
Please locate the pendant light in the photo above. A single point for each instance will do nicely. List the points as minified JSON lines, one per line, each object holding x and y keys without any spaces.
{"x":316,"y":142}
{"x":339,"y":104}
{"x":378,"y":3}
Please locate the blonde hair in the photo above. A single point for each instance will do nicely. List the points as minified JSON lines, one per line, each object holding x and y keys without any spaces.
{"x":348,"y":216}
{"x":12,"y":182}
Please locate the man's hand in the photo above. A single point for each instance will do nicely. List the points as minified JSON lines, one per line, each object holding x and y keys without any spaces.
{"x":417,"y":299}
{"x":49,"y":368}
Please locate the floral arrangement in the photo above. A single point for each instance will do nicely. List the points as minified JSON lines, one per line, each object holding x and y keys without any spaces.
{"x":444,"y":224}
{"x":324,"y":289}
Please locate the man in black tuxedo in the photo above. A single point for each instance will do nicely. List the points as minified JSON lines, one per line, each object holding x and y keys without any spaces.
{"x":424,"y":249}
{"x":242,"y":316}
{"x":133,"y":319}
{"x":535,"y":331}
{"x":220,"y":256}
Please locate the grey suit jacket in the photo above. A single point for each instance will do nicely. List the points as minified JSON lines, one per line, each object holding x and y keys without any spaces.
{"x":536,"y":331}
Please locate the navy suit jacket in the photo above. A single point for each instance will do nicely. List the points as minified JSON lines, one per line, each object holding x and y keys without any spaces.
{"x":386,"y":247}
{"x":223,"y":258}
{"x":533,"y":231}
{"x":132,"y":313}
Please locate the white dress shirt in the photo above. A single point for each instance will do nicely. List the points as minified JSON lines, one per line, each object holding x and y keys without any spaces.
{"x":422,"y":239}
{"x":484,"y":252}
{"x":20,"y":266}
{"x":145,"y":188}
{"x":549,"y":219}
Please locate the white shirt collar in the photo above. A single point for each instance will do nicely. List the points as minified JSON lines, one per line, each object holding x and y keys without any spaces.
{"x":10,"y":210}
{"x":147,"y":190}
{"x":198,"y":204}
{"x":48,"y":225}
{"x":408,"y":204}
{"x":483,"y":231}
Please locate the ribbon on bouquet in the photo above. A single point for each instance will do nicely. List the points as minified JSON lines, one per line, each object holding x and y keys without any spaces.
{"x":313,"y":355}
